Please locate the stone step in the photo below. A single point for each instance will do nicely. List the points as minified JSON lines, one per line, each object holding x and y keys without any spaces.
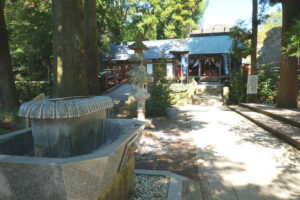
{"x":190,"y":189}
{"x":284,"y":131}
{"x":215,"y":89}
{"x":287,"y":115}
{"x":207,"y":100}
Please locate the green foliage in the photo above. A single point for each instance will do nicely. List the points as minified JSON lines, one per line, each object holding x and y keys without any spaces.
{"x":3,"y":131}
{"x":237,"y":88}
{"x":160,"y":95}
{"x":267,"y":89}
{"x":170,"y":19}
{"x":182,"y":94}
{"x":293,"y":41}
{"x":241,"y":40}
{"x":116,"y":22}
{"x":29,"y":25}
{"x":27,"y":90}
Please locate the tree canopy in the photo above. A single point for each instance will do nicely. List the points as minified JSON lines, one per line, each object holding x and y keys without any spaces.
{"x":29,"y":24}
{"x":30,"y":32}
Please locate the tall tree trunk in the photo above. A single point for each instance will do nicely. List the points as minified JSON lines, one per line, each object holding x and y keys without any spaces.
{"x":91,"y":47}
{"x":69,"y":72}
{"x":8,"y":94}
{"x":251,"y":98}
{"x":288,"y":81}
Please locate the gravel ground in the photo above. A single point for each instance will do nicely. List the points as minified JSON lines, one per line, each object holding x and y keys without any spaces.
{"x":150,"y":146}
{"x":151,"y":187}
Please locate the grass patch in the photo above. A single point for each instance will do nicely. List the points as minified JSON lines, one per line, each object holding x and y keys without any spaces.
{"x":4,"y":131}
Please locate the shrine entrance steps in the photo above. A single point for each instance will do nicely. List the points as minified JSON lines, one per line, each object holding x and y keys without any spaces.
{"x":208,"y":93}
{"x":284,"y":123}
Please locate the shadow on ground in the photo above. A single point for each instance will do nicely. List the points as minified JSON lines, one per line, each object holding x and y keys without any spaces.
{"x":180,"y":157}
{"x":222,"y":177}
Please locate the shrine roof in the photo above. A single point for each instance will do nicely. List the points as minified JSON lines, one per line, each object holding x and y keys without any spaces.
{"x":213,"y":44}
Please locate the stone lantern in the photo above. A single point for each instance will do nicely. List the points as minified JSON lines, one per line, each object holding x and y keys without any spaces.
{"x":139,"y":47}
{"x":141,"y":79}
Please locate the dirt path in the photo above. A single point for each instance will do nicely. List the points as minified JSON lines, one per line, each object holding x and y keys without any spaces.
{"x":167,"y":149}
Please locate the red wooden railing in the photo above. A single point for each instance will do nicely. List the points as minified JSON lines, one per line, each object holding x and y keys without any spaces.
{"x":113,"y":79}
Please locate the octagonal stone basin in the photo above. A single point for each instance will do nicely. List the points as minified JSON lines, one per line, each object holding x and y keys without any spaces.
{"x":84,"y":177}
{"x":69,"y":126}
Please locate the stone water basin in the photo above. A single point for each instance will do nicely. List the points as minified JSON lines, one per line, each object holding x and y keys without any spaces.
{"x":81,"y":177}
{"x":106,"y":172}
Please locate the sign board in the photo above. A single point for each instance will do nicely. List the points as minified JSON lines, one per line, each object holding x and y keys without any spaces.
{"x":169,"y":70}
{"x":184,"y":64}
{"x":252,"y":84}
{"x":149,"y":68}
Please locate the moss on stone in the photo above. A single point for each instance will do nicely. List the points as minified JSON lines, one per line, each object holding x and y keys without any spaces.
{"x":122,"y":185}
{"x":138,"y":45}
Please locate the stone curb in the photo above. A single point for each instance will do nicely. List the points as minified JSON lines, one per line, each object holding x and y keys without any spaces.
{"x":278,"y":117}
{"x":280,"y":135}
{"x":175,"y":186}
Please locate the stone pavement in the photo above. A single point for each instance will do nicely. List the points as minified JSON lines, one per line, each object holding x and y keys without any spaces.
{"x":120,"y":93}
{"x":233,"y":157}
{"x":287,"y":115}
{"x":285,"y":131}
{"x":239,"y":160}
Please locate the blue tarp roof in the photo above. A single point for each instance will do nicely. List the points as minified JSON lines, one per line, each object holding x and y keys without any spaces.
{"x":195,"y":45}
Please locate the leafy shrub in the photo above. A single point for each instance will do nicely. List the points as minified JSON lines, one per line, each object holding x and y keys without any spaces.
{"x":179,"y":94}
{"x":27,"y":90}
{"x":237,"y":88}
{"x":160,"y":95}
{"x":267,"y":89}
{"x":182,"y":94}
{"x":293,"y":38}
{"x":29,"y":25}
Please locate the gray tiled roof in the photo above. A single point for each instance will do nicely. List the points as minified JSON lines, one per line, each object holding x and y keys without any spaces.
{"x":195,"y":45}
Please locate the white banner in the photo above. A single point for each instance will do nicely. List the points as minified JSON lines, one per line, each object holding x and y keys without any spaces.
{"x":149,"y":68}
{"x":169,"y":70}
{"x":184,"y":64}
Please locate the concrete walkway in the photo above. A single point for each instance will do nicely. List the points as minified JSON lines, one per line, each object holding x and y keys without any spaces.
{"x":289,"y":116}
{"x":120,"y":93}
{"x":239,"y":160}
{"x":287,"y":132}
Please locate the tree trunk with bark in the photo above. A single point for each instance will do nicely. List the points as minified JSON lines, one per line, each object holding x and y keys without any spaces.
{"x":69,"y":72}
{"x":252,"y":98}
{"x":288,"y":81}
{"x":91,"y":47}
{"x":8,"y":94}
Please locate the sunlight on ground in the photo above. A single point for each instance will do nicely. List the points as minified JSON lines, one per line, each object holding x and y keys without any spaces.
{"x":234,"y":151}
